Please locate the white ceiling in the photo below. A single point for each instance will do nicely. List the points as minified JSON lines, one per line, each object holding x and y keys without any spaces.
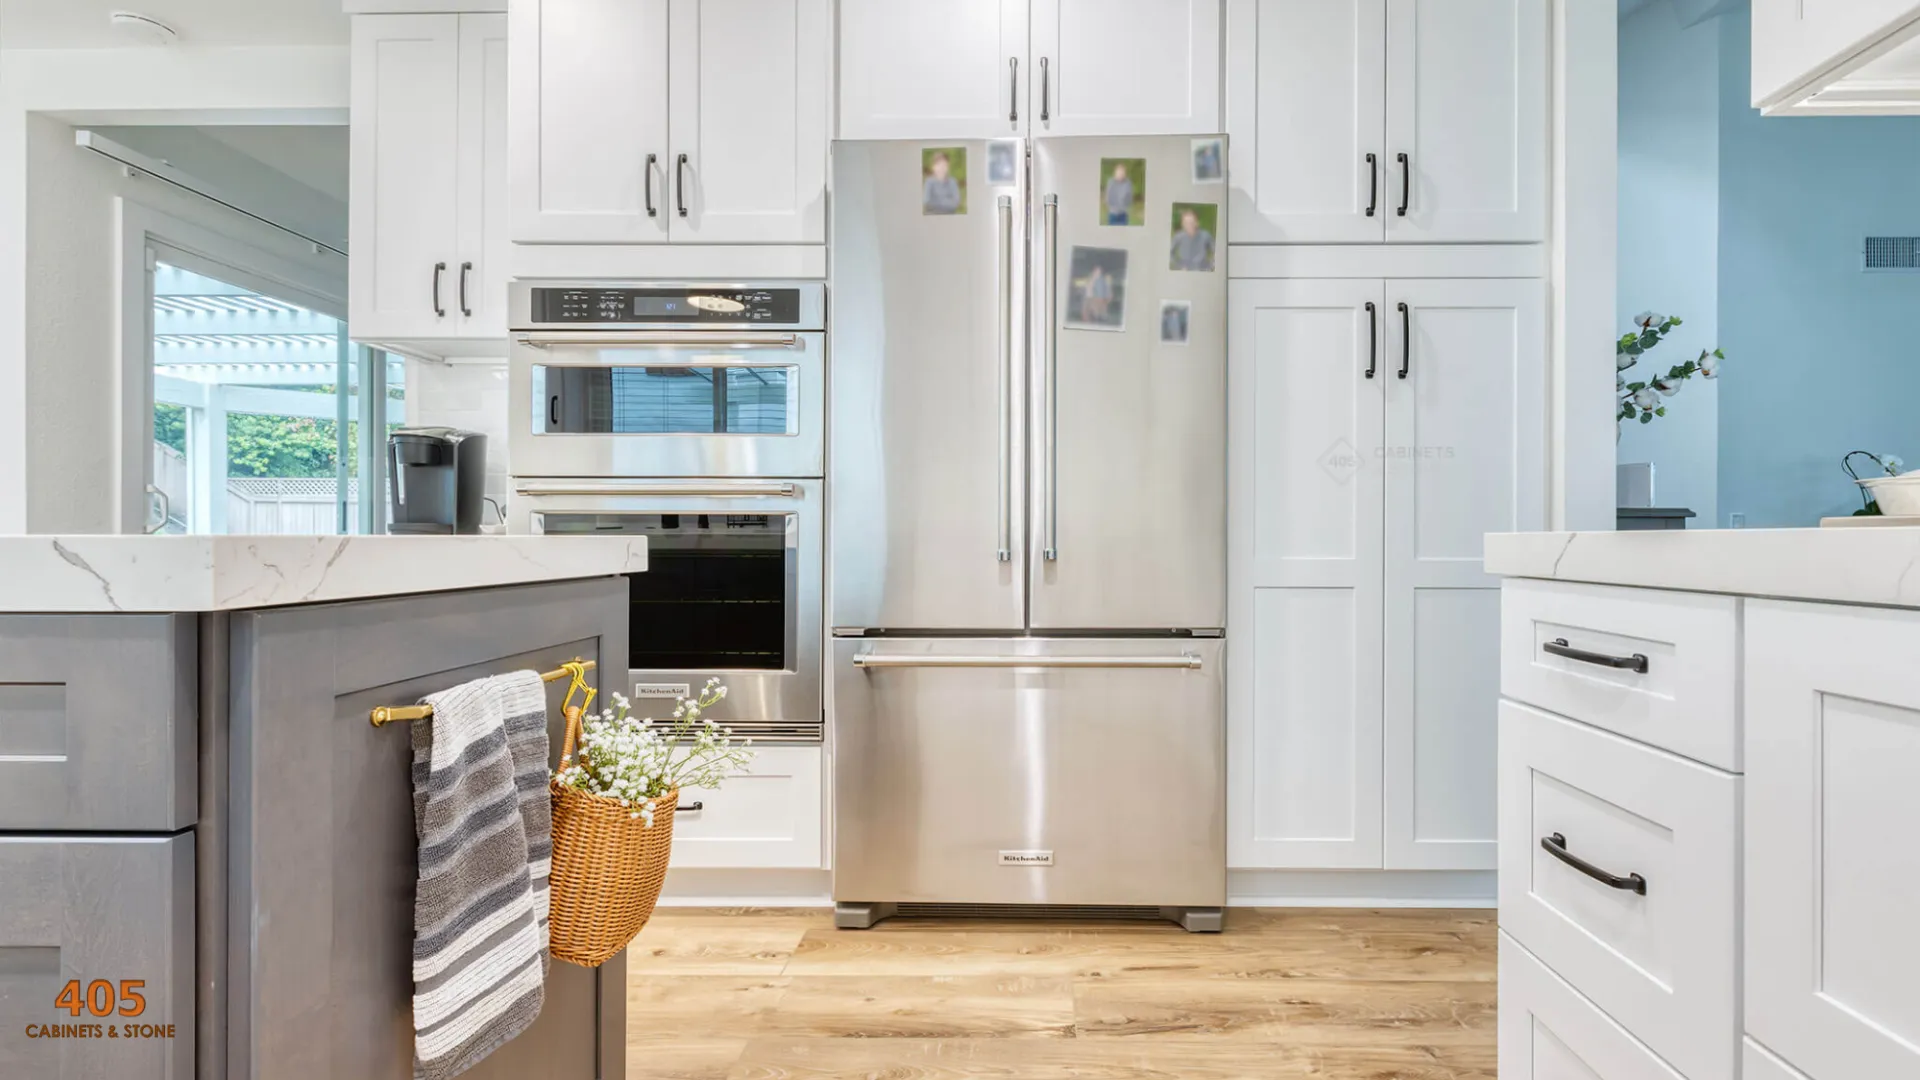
{"x":314,"y":155}
{"x":82,"y":24}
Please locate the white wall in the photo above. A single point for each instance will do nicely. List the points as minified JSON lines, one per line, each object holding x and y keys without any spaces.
{"x":1669,"y":239}
{"x":58,"y":345}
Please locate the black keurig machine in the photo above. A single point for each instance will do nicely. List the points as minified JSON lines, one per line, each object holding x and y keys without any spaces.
{"x":438,"y":479}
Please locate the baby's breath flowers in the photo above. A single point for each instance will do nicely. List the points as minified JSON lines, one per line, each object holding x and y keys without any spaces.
{"x":636,"y":761}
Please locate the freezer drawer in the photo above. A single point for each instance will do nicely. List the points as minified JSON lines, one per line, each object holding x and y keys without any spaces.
{"x":1029,"y":771}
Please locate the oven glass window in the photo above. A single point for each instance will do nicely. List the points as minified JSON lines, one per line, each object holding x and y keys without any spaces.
{"x":717,"y":593}
{"x":667,"y":400}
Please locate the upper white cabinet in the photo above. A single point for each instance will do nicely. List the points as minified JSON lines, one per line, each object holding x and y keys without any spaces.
{"x":427,"y":200}
{"x":1826,"y":57}
{"x":1832,"y":748}
{"x":1401,"y":121}
{"x":934,"y":69}
{"x":689,"y":121}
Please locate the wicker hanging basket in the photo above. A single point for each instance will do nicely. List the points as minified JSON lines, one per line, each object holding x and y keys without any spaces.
{"x":608,"y":867}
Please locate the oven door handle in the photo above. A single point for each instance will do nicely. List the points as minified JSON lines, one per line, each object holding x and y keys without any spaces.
{"x":668,"y":341}
{"x":1185,"y":661}
{"x":741,"y":491}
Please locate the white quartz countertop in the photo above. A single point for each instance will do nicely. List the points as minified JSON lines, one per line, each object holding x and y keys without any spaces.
{"x":228,"y":573}
{"x":1849,"y":566}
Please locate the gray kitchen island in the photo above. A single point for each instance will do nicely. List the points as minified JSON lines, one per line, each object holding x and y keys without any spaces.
{"x":204,"y":841}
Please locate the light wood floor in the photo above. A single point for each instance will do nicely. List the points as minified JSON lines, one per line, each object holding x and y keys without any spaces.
{"x":1333,"y":994}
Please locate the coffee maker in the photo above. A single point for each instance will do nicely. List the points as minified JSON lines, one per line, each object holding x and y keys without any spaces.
{"x":438,"y":479}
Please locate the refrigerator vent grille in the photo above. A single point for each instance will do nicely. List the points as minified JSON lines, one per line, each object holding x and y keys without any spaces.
{"x":1893,"y":253}
{"x":1101,"y":912}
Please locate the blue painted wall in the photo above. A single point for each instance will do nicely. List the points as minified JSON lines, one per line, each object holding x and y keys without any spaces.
{"x":1822,"y":358}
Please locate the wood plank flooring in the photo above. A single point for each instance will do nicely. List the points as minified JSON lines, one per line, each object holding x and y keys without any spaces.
{"x":758,"y":994}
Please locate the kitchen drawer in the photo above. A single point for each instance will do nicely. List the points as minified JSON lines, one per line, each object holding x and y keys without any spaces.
{"x":1760,"y":1063}
{"x":1549,"y":1032}
{"x":1664,"y":964}
{"x":116,"y":909}
{"x":98,"y":722}
{"x":766,"y":816}
{"x":1685,"y":699}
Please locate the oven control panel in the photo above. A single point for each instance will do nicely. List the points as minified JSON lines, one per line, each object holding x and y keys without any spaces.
{"x":721,"y":306}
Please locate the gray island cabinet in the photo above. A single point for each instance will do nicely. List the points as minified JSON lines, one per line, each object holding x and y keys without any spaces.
{"x":204,"y":844}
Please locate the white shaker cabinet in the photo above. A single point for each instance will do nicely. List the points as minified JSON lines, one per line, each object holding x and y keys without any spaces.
{"x":427,"y":223}
{"x":1396,"y":121}
{"x":1832,"y":714}
{"x":935,"y":69}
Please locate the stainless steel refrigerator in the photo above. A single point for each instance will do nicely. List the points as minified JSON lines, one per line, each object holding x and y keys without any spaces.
{"x":1027,"y":525}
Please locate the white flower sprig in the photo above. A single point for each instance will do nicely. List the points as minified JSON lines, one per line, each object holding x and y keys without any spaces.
{"x":636,"y":761}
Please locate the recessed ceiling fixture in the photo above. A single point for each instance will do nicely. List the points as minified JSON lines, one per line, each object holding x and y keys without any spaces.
{"x":143,"y":29}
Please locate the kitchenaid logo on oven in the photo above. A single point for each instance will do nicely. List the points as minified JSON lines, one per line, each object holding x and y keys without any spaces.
{"x":674,"y":690}
{"x":1026,"y":858}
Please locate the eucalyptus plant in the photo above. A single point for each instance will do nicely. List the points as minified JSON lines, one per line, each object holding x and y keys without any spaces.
{"x":1644,"y":399}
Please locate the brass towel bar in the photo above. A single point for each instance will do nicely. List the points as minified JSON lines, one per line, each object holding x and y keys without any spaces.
{"x":387,"y":714}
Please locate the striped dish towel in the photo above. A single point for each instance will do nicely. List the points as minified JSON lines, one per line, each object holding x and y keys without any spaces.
{"x":483,"y":815}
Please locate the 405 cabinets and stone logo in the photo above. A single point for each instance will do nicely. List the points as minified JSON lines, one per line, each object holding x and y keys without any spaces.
{"x":107,"y":1005}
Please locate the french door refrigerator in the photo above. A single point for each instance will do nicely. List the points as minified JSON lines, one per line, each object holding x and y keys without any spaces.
{"x":1027,"y":525}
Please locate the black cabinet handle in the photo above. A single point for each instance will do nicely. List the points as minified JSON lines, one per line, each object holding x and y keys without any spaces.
{"x":1043,"y":90}
{"x":1556,"y":846}
{"x":465,"y":269}
{"x":1559,"y":647}
{"x":553,"y":413}
{"x":438,"y":269}
{"x":1373,"y":184}
{"x":1406,"y":339}
{"x":1406,"y":182}
{"x":1373,"y":339}
{"x":651,"y":211}
{"x":1013,"y":91}
{"x":689,"y":807}
{"x":680,"y":184}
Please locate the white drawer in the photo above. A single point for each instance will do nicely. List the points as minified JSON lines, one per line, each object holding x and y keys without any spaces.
{"x":1662,"y":963}
{"x":768,"y":816}
{"x":1685,"y":699}
{"x":1549,"y":1032}
{"x":1760,"y":1063}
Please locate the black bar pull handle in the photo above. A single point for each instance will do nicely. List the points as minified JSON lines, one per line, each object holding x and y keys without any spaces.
{"x":1406,"y":339}
{"x":1559,"y":647}
{"x":553,"y":413}
{"x":439,"y":268}
{"x":680,"y":185}
{"x":1373,"y":184}
{"x":1556,"y":846}
{"x":1013,"y":91}
{"x":651,"y":210}
{"x":1373,"y":339}
{"x":687,"y":808}
{"x":465,"y":309}
{"x":1406,"y":182}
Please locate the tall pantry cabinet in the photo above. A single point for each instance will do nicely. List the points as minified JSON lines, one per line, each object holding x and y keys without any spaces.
{"x":1389,"y":410}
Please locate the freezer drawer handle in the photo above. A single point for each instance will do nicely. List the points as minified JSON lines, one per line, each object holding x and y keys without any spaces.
{"x":1556,"y":846}
{"x":1559,"y":647}
{"x":1185,"y":661}
{"x":745,"y":491}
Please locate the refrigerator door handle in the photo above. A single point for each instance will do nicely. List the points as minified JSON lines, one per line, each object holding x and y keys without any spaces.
{"x":1184,"y":661}
{"x":1050,"y":378}
{"x":1005,"y":270}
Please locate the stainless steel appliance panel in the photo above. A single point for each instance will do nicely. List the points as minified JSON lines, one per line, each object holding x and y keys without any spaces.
{"x":721,"y":620}
{"x":1130,"y":463}
{"x":927,"y":490}
{"x":1029,"y":771}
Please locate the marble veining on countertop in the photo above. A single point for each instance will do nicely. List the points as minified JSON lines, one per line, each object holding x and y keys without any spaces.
{"x":228,"y":573}
{"x":1849,"y":566}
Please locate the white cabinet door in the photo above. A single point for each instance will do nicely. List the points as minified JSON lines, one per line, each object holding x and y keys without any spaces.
{"x":750,"y":85}
{"x":1306,"y":359}
{"x":405,"y":115}
{"x":769,"y":814}
{"x":1465,"y":452}
{"x":1467,"y":126}
{"x":482,"y":184}
{"x":1126,"y":67}
{"x":1833,"y":747}
{"x":933,"y":69}
{"x":1306,"y":120}
{"x":587,"y":121}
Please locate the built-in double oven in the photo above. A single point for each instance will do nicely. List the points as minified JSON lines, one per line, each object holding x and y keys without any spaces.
{"x":691,"y":414}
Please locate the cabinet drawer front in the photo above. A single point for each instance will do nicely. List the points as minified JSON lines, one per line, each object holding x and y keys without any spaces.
{"x":765,"y":816}
{"x":113,"y":909}
{"x":1662,"y":963}
{"x":1549,"y":1032}
{"x":1684,"y":699}
{"x":98,"y":722}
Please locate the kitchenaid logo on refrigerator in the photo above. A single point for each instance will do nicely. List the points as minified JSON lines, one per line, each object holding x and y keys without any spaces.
{"x":1026,"y":858}
{"x":674,"y":690}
